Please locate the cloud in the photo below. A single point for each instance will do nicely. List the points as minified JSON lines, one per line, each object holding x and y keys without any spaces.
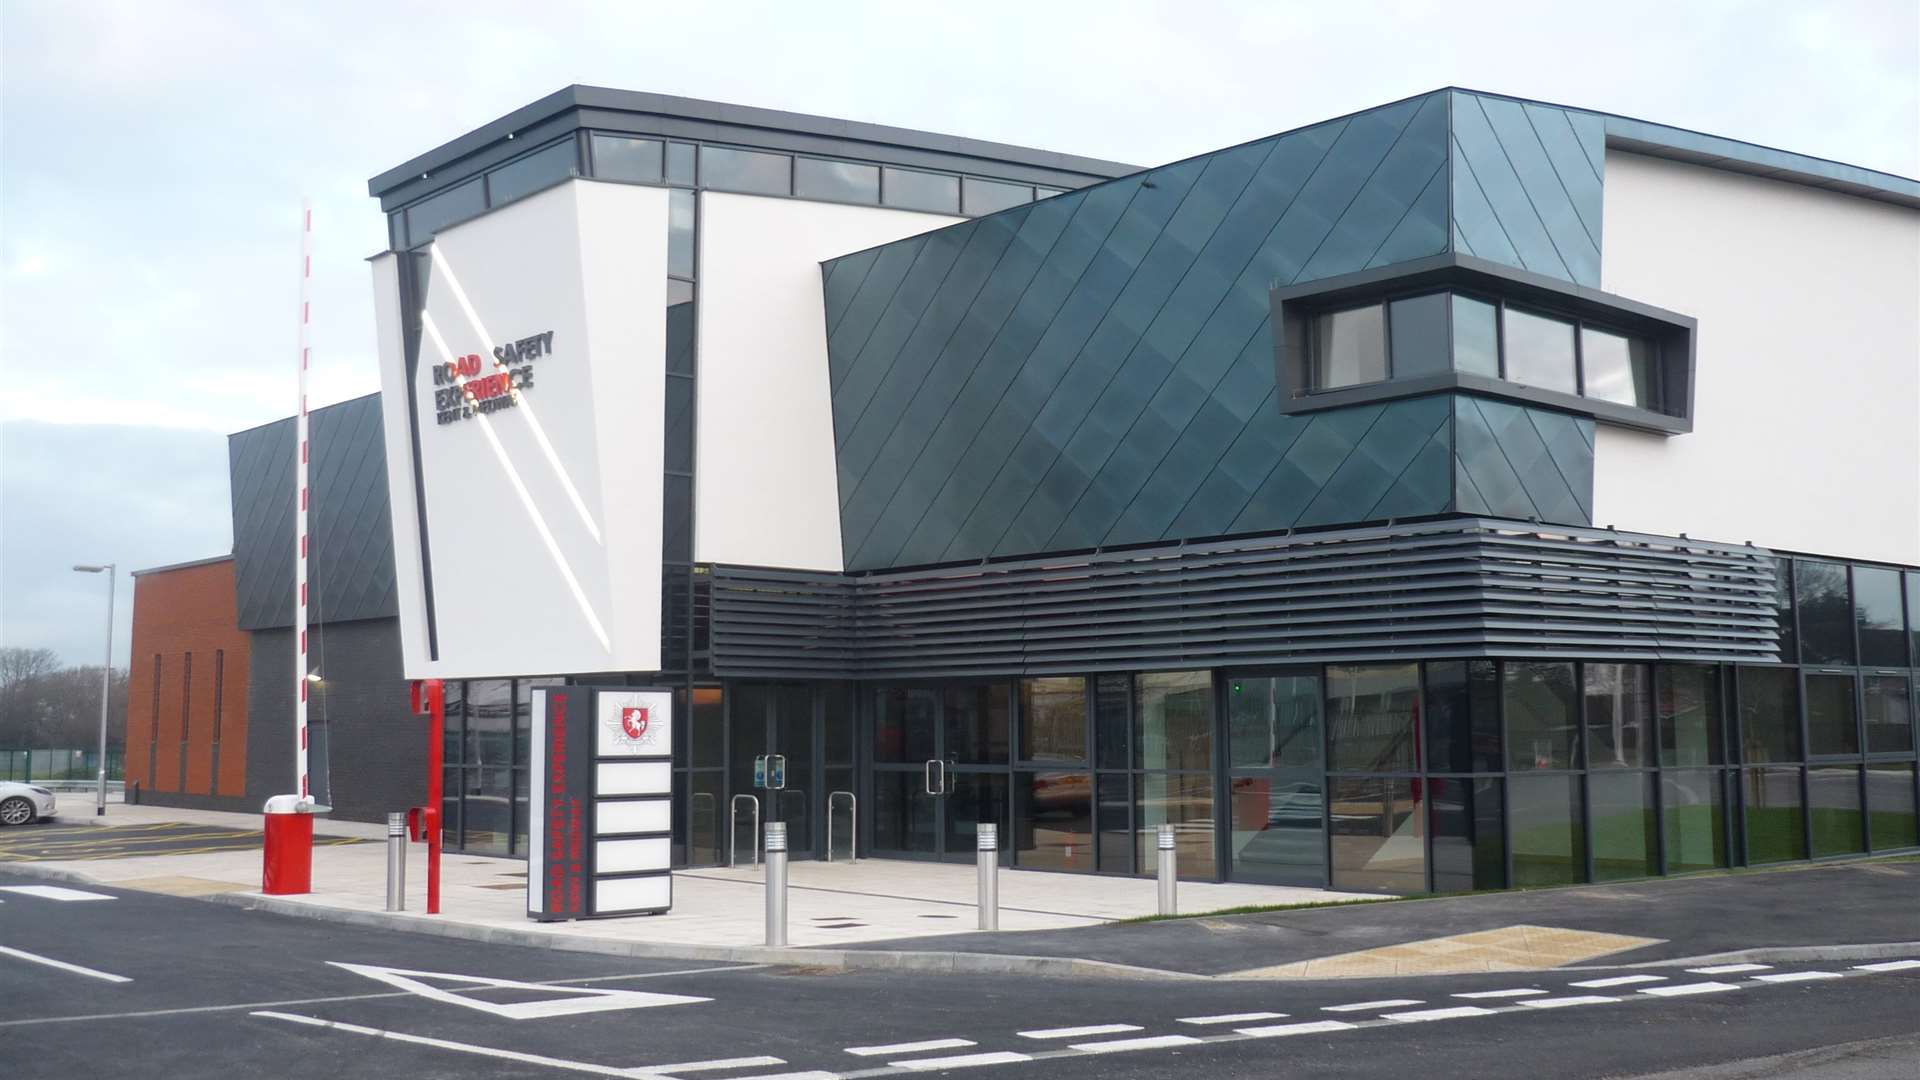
{"x":77,"y":493}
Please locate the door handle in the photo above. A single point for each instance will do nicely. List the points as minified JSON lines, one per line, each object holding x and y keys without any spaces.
{"x":926,"y":777}
{"x":946,"y":780}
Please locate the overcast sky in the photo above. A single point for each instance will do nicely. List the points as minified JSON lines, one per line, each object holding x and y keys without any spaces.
{"x":153,"y":155}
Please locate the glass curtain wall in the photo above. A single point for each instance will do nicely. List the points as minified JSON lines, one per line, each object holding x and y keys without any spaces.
{"x":484,"y":760}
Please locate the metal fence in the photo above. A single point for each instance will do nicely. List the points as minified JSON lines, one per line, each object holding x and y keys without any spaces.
{"x":59,"y":764}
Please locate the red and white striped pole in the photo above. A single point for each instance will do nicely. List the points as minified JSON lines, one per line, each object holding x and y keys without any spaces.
{"x":288,"y":848}
{"x":302,"y":498}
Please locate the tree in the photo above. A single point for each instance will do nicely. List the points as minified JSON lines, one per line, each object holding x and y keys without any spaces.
{"x":23,"y":673}
{"x":44,"y":705}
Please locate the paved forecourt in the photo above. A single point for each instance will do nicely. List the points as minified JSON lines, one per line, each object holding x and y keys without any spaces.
{"x":830,"y":904}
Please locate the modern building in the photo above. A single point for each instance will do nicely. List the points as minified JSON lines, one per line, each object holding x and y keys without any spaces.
{"x":1464,"y":493}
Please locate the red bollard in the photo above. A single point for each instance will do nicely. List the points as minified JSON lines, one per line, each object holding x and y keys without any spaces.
{"x":287,"y":868}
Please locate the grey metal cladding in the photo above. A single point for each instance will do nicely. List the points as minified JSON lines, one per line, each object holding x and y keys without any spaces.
{"x":350,"y":569}
{"x":1527,"y":185}
{"x":1519,"y":462}
{"x":1096,"y":368}
{"x":1451,"y":588}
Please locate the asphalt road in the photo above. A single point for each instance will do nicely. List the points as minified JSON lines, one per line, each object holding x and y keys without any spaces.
{"x":59,"y":841}
{"x":142,"y":985}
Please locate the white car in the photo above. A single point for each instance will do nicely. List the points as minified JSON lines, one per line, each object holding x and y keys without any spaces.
{"x":24,"y":804}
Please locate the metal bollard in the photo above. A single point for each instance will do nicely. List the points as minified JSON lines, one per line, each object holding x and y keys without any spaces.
{"x":986,"y":846}
{"x":1168,"y":903}
{"x":777,"y":883}
{"x":397,"y":862}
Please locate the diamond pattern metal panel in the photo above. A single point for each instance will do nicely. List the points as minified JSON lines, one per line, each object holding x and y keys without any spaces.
{"x":1527,"y":185}
{"x":1096,"y":368}
{"x":1519,"y":462}
{"x":350,"y":574}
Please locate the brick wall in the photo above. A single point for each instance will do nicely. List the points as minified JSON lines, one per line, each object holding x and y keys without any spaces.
{"x":186,"y":722}
{"x":368,"y":752}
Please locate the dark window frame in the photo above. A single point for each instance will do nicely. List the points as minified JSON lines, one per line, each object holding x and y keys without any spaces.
{"x":1670,"y":335}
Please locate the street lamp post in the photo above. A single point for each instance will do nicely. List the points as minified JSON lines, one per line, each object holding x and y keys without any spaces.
{"x":106,"y":683}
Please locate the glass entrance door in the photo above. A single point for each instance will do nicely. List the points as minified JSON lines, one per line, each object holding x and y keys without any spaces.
{"x":1275,"y":740}
{"x":778,"y":718}
{"x":940,"y":767}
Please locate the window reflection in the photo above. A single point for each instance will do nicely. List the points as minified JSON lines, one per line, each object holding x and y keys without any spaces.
{"x":1617,"y":368}
{"x":1539,"y":351}
{"x":1349,"y":347}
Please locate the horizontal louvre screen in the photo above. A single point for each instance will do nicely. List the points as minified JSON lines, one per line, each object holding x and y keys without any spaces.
{"x":1457,"y":588}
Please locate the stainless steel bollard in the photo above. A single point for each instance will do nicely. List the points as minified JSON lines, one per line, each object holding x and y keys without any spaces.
{"x":1168,"y":870}
{"x":776,"y":883}
{"x":396,"y":862}
{"x":986,"y":845}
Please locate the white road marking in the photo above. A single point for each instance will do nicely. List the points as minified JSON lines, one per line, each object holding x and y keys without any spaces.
{"x":449,"y":1044}
{"x":1458,"y":1012}
{"x":1078,"y":1032}
{"x":1568,"y":1002}
{"x":62,"y":965}
{"x":248,"y":1006}
{"x":960,"y":1061}
{"x":717,"y":1063}
{"x":910,"y":1048}
{"x":1524,"y":992}
{"x":1889,"y":965}
{"x":810,"y":1074}
{"x":1800,"y":976}
{"x":1729,"y":969}
{"x":565,"y":1000}
{"x":1619,"y":980}
{"x":1149,"y":1042}
{"x":1364,"y":1006}
{"x":55,"y":892}
{"x":1232,"y":1018}
{"x":1689,"y":988}
{"x":1313,"y":1027}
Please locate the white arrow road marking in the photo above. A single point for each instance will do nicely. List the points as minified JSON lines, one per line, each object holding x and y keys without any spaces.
{"x":570,"y":1000}
{"x":63,"y":965}
{"x":910,"y":1048}
{"x":55,"y":892}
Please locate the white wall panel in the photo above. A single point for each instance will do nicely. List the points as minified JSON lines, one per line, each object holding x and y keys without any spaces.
{"x":542,"y":521}
{"x":766,"y":491}
{"x":1807,"y":399}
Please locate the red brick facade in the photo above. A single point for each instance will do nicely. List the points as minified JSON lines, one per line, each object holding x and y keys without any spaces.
{"x":187,"y":695}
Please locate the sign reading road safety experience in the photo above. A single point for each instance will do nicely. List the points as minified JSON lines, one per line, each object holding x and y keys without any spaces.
{"x":600,"y":839}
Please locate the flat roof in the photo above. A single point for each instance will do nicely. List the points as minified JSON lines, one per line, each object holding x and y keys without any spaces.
{"x":190,"y":564}
{"x":695,"y":118}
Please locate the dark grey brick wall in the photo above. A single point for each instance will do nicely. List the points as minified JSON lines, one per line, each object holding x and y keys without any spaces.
{"x":374,"y":750}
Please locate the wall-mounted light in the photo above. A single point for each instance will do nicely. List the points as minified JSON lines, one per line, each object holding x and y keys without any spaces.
{"x":313,"y":676}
